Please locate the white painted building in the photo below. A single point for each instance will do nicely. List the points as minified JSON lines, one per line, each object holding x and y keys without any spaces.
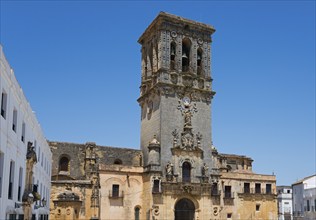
{"x":285,"y":208}
{"x":304,"y":198}
{"x":18,"y":125}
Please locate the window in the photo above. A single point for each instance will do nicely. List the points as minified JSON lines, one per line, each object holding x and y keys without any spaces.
{"x":3,"y":104}
{"x":257,"y":207}
{"x":23,"y":133}
{"x":14,"y":121}
{"x":20,"y":184}
{"x":172,"y":55}
{"x":12,"y":216}
{"x":186,"y":46}
{"x":288,"y":191}
{"x":11,"y":180}
{"x":214,"y":190}
{"x":308,"y":207}
{"x":228,"y":192}
{"x":268,"y":189}
{"x":258,"y":188}
{"x":1,"y":171}
{"x":246,"y":187}
{"x":199,"y":61}
{"x":115,"y":190}
{"x":137,"y":212}
{"x":186,"y":172}
{"x":118,"y":162}
{"x":64,"y":164}
{"x":156,"y":186}
{"x":229,"y":215}
{"x":39,"y":154}
{"x":35,"y":144}
{"x":42,"y":159}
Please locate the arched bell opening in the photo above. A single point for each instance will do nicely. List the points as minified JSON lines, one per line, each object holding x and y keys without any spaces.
{"x":186,"y":50}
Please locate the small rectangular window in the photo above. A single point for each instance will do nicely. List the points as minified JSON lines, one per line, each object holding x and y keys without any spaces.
{"x":246,"y":187}
{"x":229,"y":215}
{"x":3,"y":104}
{"x":308,"y":207}
{"x":258,"y":188}
{"x":11,"y":180}
{"x":214,"y":190}
{"x":15,"y":119}
{"x":156,"y":186}
{"x":42,"y":159}
{"x":257,"y":207}
{"x":20,"y":184}
{"x":12,"y":216}
{"x":268,"y":188}
{"x":1,"y":171}
{"x":115,"y":190}
{"x":228,"y":192}
{"x":23,"y":133}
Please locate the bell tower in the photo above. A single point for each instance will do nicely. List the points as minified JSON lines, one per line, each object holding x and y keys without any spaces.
{"x":175,"y":96}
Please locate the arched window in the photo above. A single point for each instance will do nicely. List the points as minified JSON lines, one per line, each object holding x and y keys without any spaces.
{"x":64,"y":164}
{"x":199,"y":61}
{"x":118,"y":161}
{"x":172,"y":55}
{"x":137,"y":213}
{"x":186,"y":49}
{"x":186,"y":172}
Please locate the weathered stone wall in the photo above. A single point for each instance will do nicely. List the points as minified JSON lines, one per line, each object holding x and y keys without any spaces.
{"x":74,"y":152}
{"x":129,"y":157}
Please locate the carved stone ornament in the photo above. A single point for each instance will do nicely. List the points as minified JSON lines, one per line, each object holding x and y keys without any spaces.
{"x":198,"y":139}
{"x":169,"y":171}
{"x":175,"y":135}
{"x":187,"y":188}
{"x":187,"y":110}
{"x":215,"y":211}
{"x":187,"y":140}
{"x":173,"y":34}
{"x":155,"y":209}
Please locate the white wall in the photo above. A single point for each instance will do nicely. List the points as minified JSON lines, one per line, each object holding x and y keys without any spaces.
{"x":284,"y":202}
{"x":303,"y":191}
{"x":12,"y":148}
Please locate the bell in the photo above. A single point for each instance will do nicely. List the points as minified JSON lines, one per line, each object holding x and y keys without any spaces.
{"x":199,"y":57}
{"x":172,"y":53}
{"x":184,"y":55}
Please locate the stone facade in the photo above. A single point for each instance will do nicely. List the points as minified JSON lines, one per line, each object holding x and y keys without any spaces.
{"x":178,"y":173}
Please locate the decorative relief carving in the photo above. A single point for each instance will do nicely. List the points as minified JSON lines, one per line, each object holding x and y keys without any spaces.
{"x":173,"y":34}
{"x":169,"y":171}
{"x":187,"y":188}
{"x":198,"y":139}
{"x":155,"y":210}
{"x":187,"y":110}
{"x":175,"y":135}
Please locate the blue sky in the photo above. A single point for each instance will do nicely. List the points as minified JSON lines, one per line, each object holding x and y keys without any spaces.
{"x":78,"y":63}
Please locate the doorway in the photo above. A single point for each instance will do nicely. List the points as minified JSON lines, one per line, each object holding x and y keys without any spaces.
{"x":184,"y":210}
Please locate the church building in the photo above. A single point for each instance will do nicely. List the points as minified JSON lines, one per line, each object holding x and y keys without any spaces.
{"x":177,"y":173}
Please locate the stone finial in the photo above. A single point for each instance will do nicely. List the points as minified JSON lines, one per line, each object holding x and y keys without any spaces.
{"x":154,"y":141}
